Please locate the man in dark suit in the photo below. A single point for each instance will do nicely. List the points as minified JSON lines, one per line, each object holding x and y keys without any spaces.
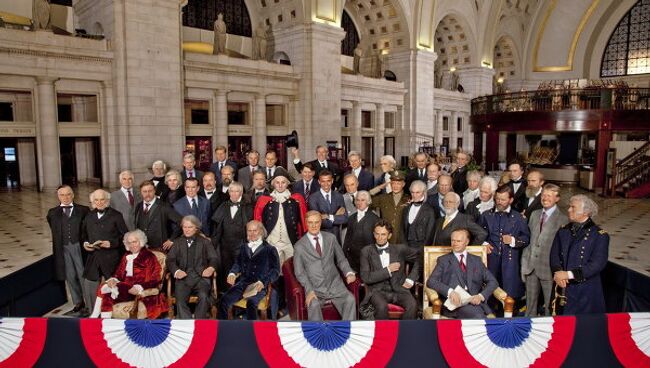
{"x":383,"y":269}
{"x":192,"y":204}
{"x":221,"y":160}
{"x":351,"y":184}
{"x":535,"y":267}
{"x":320,"y":163}
{"x":359,"y":230}
{"x":433,"y":172}
{"x":535,"y":182}
{"x":330,"y":204}
{"x":125,"y":198}
{"x":518,"y":185}
{"x":459,"y":268}
{"x":245,"y":174}
{"x":508,"y":234}
{"x":419,"y":219}
{"x":453,"y":220}
{"x":270,"y":167}
{"x":102,"y":229}
{"x":419,"y":172}
{"x":191,"y":262}
{"x":579,"y":256}
{"x":257,"y":263}
{"x":65,"y":222}
{"x":258,"y":189}
{"x":365,"y":178}
{"x":485,"y":201}
{"x":210,"y":192}
{"x":188,"y":169}
{"x":159,"y":169}
{"x":230,"y":221}
{"x":436,"y":200}
{"x":307,"y":185}
{"x":156,"y":218}
{"x":459,"y":175}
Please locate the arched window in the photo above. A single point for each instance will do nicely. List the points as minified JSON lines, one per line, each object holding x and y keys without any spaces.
{"x":202,"y":14}
{"x":627,"y":50}
{"x":351,"y":39}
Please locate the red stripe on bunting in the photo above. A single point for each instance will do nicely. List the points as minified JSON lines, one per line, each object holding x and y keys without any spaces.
{"x":383,"y":345}
{"x":452,"y":345}
{"x":202,"y":345}
{"x":564,"y":329}
{"x":30,"y":347}
{"x":97,"y":348}
{"x":620,"y":338}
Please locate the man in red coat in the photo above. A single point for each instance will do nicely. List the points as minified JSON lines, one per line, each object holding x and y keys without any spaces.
{"x":137,"y":271}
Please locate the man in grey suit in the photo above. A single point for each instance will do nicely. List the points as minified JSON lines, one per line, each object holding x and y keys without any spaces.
{"x":535,"y":259}
{"x":318,"y":263}
{"x":245,"y":174}
{"x":459,"y":268}
{"x":433,"y":172}
{"x":125,"y":198}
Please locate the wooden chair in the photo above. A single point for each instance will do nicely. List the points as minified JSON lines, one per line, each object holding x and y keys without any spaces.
{"x":262,"y":308}
{"x":136,"y":308}
{"x":431,"y":303}
{"x":171,"y":299}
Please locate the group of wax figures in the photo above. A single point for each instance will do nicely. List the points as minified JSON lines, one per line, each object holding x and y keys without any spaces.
{"x":332,"y":223}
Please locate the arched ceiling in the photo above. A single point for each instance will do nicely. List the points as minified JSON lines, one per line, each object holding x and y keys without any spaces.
{"x":505,"y":58}
{"x":452,"y":43}
{"x":380,"y":24}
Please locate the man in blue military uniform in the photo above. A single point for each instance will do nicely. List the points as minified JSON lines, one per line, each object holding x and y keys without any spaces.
{"x":578,"y":256}
{"x":508,"y":233}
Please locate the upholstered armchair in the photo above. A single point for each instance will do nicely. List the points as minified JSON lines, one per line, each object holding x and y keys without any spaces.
{"x":432,"y":305}
{"x":136,"y":308}
{"x":295,"y":295}
{"x":171,"y":299}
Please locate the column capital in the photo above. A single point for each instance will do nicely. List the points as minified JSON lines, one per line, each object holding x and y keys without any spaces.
{"x":46,"y":80}
{"x":380,"y":106}
{"x":221,"y":92}
{"x":260,"y":96}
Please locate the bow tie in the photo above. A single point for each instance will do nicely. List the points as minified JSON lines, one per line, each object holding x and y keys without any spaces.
{"x":235,"y":204}
{"x":417,"y":204}
{"x":517,"y":181}
{"x":101,"y":212}
{"x":210,"y":193}
{"x":66,"y":206}
{"x":382,"y":250}
{"x":503,"y":212}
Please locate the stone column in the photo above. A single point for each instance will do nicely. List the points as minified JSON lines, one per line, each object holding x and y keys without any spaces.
{"x":380,"y":126}
{"x":477,"y":81}
{"x":439,"y":129}
{"x":220,"y":133}
{"x":48,"y":135}
{"x":468,"y":142}
{"x":355,"y":127}
{"x":453,"y":132}
{"x":259,"y":124}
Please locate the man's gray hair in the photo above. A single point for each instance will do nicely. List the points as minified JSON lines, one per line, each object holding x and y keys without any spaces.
{"x":365,"y":193}
{"x":97,"y":193}
{"x":488,"y":180}
{"x":236,"y":184}
{"x":588,"y":205}
{"x":473,"y":174}
{"x":171,"y":173}
{"x":388,"y":158}
{"x":259,"y":226}
{"x":189,"y":156}
{"x":454,"y":195}
{"x":124,"y":173}
{"x":192,"y":220}
{"x":350,"y":175}
{"x":142,"y":237}
{"x":354,"y":153}
{"x":160,"y":163}
{"x":418,"y":184}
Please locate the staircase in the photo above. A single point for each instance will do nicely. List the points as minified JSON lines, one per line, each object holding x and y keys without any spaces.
{"x":632,"y":178}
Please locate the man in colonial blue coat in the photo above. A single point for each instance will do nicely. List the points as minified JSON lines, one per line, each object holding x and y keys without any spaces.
{"x":508,"y":233}
{"x":578,"y":256}
{"x":257,"y":264}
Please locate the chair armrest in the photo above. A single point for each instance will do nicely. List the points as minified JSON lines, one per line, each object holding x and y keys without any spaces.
{"x":150,"y":292}
{"x":214,"y":285}
{"x":434,"y":301}
{"x":508,"y":302}
{"x":431,"y":294}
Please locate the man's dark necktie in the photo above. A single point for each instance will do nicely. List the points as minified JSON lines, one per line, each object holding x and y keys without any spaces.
{"x":268,"y":173}
{"x":462,"y":264}
{"x":318,"y":248}
{"x":382,"y":250}
{"x":131,"y":199}
{"x":307,"y":192}
{"x":195,"y":208}
{"x":67,"y":210}
{"x":541,"y":223}
{"x":258,"y":194}
{"x":146,"y":207}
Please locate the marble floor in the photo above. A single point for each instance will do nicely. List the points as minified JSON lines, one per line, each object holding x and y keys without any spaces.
{"x":25,"y":235}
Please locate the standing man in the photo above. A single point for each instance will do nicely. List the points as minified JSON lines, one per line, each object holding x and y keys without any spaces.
{"x":156,"y":218}
{"x":330,"y":204}
{"x":436,"y":200}
{"x":245,"y":174}
{"x":419,"y":219}
{"x":258,"y":189}
{"x":578,"y":256}
{"x":419,"y":172}
{"x":159,"y":169}
{"x":383,"y":269}
{"x":188,"y":169}
{"x":459,"y":175}
{"x":306,"y":186}
{"x":65,"y":222}
{"x":535,"y":266}
{"x":460,"y":268}
{"x":351,"y":184}
{"x":194,"y":205}
{"x":318,"y":263}
{"x":472,"y":191}
{"x":191,"y":262}
{"x":387,"y":164}
{"x":227,"y":177}
{"x":485,"y":201}
{"x":453,"y":220}
{"x":433,"y":172}
{"x":359,"y":230}
{"x":125,"y":198}
{"x":221,"y":157}
{"x":210,"y":192}
{"x":535,"y":181}
{"x":507,"y":234}
{"x":518,"y":185}
{"x":320,"y":163}
{"x":364,"y":177}
{"x":270,"y":161}
{"x":391,"y":205}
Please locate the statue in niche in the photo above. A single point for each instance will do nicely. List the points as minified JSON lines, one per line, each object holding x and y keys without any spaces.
{"x":260,"y":42}
{"x":220,"y":34}
{"x":376,"y":65}
{"x":41,"y":14}
{"x":358,"y":54}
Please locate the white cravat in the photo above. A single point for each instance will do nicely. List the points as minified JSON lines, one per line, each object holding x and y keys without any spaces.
{"x":129,"y":264}
{"x":386,"y":180}
{"x":360,"y":214}
{"x":384,"y":256}
{"x":431,"y":184}
{"x":413,"y":213}
{"x":254,"y":245}
{"x":233,"y":209}
{"x":357,"y":171}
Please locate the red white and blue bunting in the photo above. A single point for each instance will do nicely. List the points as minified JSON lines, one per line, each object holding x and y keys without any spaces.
{"x":629,"y":335}
{"x":520,"y":342}
{"x":329,"y":344}
{"x":21,"y":341}
{"x":156,"y":343}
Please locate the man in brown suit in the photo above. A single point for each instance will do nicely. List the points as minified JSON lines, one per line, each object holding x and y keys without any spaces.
{"x":391,"y":205}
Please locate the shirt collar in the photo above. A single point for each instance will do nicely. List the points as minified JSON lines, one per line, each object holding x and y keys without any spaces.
{"x":66,"y":205}
{"x":189,"y":199}
{"x":550,"y":211}
{"x":452,"y":216}
{"x":385,"y":246}
{"x":150,"y":203}
{"x":464,"y":253}
{"x":324,"y":193}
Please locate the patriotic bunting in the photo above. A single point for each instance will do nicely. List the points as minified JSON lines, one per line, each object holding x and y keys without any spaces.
{"x":629,"y":335}
{"x":21,"y":341}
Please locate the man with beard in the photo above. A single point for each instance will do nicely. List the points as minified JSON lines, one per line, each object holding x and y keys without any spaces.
{"x":156,"y":218}
{"x":230,"y":221}
{"x":227,"y":177}
{"x":535,"y":181}
{"x":507,"y":234}
{"x":211,"y":193}
{"x":257,"y":190}
{"x":454,"y":220}
{"x":444,"y":187}
{"x":485,"y":201}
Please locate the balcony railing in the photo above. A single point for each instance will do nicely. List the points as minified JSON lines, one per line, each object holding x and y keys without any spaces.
{"x":589,"y":98}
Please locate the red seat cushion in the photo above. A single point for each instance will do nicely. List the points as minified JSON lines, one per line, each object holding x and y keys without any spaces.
{"x":395,"y":308}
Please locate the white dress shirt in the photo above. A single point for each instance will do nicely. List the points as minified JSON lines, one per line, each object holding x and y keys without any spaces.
{"x":413,"y":213}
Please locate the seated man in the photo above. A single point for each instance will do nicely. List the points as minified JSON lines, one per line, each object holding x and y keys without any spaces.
{"x":383,"y":269}
{"x":192,"y":261}
{"x":460,"y":268}
{"x":257,"y":264}
{"x":317,"y":260}
{"x":137,"y":271}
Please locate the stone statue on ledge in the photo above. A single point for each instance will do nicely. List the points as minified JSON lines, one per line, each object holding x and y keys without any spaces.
{"x":41,"y":14}
{"x":358,"y":54}
{"x":260,"y":42}
{"x":220,"y":35}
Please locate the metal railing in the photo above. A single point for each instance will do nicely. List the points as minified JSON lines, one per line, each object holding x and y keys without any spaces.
{"x":634,"y":169}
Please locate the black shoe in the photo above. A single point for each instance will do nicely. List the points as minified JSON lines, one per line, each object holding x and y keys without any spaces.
{"x":75,"y":311}
{"x":83,"y":313}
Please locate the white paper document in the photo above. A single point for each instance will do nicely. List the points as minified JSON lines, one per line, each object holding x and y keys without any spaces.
{"x":464,"y":298}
